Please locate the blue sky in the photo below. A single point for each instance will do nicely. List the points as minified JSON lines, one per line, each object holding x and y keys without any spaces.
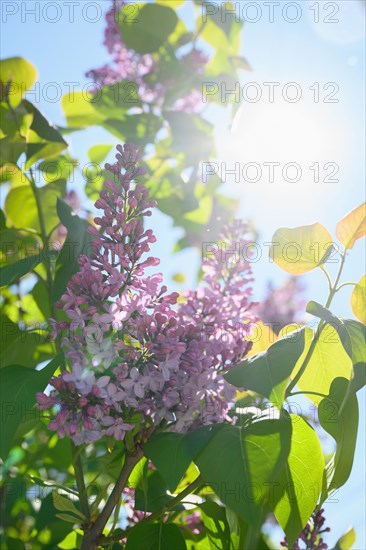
{"x":323,"y":51}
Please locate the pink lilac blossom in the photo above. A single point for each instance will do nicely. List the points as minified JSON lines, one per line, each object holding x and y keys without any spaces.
{"x":130,"y":347}
{"x":127,"y":64}
{"x":283,"y":305}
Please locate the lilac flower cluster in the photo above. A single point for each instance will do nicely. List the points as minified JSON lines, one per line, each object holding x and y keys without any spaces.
{"x":310,"y":535}
{"x":127,"y":64}
{"x":136,"y":357}
{"x":283,"y":305}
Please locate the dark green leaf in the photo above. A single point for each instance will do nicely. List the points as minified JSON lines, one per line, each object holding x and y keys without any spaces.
{"x":172,"y":453}
{"x":10,"y":274}
{"x":149,"y":28}
{"x":78,"y":242}
{"x":18,"y":395}
{"x":338,"y":415}
{"x":267,"y":373}
{"x":163,"y":536}
{"x":357,"y":335}
{"x":326,"y":315}
{"x":156,"y":496}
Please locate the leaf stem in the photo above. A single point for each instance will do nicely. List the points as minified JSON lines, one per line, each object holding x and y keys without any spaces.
{"x":44,"y":238}
{"x":332,"y":292}
{"x":345,"y":284}
{"x":307,"y":393}
{"x":330,"y":284}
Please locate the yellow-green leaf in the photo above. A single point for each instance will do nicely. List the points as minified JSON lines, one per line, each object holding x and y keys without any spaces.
{"x":263,"y":337}
{"x":346,"y":541}
{"x":21,"y":74}
{"x":328,"y":361}
{"x":64,"y":504}
{"x":300,"y":249}
{"x":358,"y":300}
{"x":352,"y":226}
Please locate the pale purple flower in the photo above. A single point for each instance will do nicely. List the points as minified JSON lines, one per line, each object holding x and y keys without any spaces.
{"x":116,"y":427}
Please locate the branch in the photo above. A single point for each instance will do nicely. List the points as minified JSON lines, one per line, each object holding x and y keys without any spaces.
{"x":92,"y":536}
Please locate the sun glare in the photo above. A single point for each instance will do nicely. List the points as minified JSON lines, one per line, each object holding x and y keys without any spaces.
{"x":289,"y":158}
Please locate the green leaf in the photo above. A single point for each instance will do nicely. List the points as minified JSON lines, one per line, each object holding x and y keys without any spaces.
{"x":157,"y":536}
{"x":300,"y":249}
{"x":137,"y":128}
{"x":111,"y":102}
{"x":220,"y":32}
{"x":40,"y":295}
{"x":10,"y":274}
{"x":352,"y":227}
{"x":16,"y":345}
{"x":15,"y":120}
{"x":357,"y":335}
{"x":98,"y":153}
{"x":246,"y":460}
{"x":326,"y":315}
{"x":61,"y":167}
{"x":11,"y":149}
{"x":138,"y":476}
{"x":190,"y":135}
{"x":64,"y":504}
{"x":346,"y":541}
{"x":216,"y":525}
{"x":358,"y":300}
{"x":21,"y":206}
{"x":338,"y":415}
{"x":328,"y":361}
{"x":79,"y":111}
{"x":18,"y":395}
{"x":43,"y":139}
{"x":69,"y":518}
{"x":78,"y":241}
{"x":155,"y":497}
{"x":267,"y":373}
{"x":353,"y":337}
{"x":172,"y":453}
{"x":297,"y":488}
{"x":17,"y":245}
{"x":149,"y":29}
{"x":21,"y":73}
